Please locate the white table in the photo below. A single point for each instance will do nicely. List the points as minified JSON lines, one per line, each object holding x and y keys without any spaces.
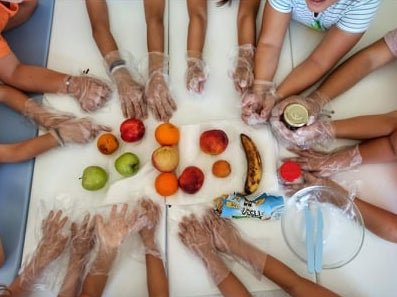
{"x":55,"y":178}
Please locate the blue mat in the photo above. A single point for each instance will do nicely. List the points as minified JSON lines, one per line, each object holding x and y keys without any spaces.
{"x":30,"y":43}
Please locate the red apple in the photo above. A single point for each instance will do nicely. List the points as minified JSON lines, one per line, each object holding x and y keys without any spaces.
{"x":165,"y":158}
{"x":132,"y":130}
{"x":213,"y":142}
{"x":191,"y":179}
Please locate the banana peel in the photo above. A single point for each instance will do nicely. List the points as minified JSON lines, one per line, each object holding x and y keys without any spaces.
{"x":254,"y":165}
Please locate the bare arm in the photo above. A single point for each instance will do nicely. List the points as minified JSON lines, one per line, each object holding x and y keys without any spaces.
{"x":99,"y":18}
{"x":197,"y":10}
{"x":246,"y":21}
{"x":156,"y":277}
{"x":154,"y":15}
{"x":95,"y":281}
{"x":274,"y":27}
{"x":331,"y":49}
{"x":26,"y":150}
{"x":356,"y":68}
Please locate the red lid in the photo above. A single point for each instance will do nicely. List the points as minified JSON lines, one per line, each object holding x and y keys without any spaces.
{"x":290,"y":171}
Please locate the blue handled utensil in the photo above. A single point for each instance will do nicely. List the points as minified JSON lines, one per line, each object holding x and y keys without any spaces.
{"x":318,"y":261}
{"x":309,"y":239}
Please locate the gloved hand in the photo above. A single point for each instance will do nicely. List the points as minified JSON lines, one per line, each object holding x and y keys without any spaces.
{"x":326,"y":164}
{"x":243,"y":73}
{"x":311,"y":180}
{"x":79,"y":131}
{"x":111,"y":234}
{"x":150,"y":211}
{"x":45,"y":116}
{"x":227,"y":239}
{"x":131,"y":97}
{"x":50,"y":247}
{"x":321,"y":132}
{"x":196,"y":73}
{"x":157,"y":93}
{"x":197,"y":238}
{"x":91,"y":93}
{"x":258,"y":102}
{"x":82,"y":238}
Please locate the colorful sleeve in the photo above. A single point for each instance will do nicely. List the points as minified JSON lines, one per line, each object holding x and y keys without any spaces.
{"x":284,"y":6}
{"x":391,"y":41}
{"x":358,"y":18}
{"x":4,"y":48}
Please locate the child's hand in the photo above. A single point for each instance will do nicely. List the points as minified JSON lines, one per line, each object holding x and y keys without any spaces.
{"x":91,"y":93}
{"x":158,"y":96}
{"x":149,"y":215}
{"x":112,"y":232}
{"x":131,"y":96}
{"x":326,"y":164}
{"x":53,"y":242}
{"x":243,"y":75}
{"x":82,"y":239}
{"x":196,"y":75}
{"x":78,"y":131}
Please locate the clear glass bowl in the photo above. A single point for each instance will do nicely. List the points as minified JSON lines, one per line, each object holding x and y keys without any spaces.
{"x":343,"y":229}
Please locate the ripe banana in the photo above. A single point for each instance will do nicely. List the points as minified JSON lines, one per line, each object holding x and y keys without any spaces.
{"x":254,"y":165}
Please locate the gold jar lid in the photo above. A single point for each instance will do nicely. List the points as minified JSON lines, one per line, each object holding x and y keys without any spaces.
{"x":296,"y":115}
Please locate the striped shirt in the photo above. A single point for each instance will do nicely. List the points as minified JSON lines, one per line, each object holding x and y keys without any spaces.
{"x":353,"y":16}
{"x":391,"y":41}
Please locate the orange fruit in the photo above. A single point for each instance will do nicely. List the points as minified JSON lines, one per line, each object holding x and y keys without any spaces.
{"x":166,"y":184}
{"x":107,"y":143}
{"x":221,"y":168}
{"x":167,"y":134}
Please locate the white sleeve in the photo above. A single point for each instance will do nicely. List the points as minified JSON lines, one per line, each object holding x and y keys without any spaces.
{"x":284,"y":6}
{"x":359,"y":17}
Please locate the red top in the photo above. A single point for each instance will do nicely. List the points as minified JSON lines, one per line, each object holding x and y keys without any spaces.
{"x":290,"y":171}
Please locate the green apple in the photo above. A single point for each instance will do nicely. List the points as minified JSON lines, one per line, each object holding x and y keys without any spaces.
{"x":127,"y":164}
{"x":94,"y":178}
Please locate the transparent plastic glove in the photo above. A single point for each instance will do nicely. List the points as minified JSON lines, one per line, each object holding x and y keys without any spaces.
{"x":197,"y":238}
{"x":82,"y":238}
{"x":320,"y":132}
{"x":196,"y":73}
{"x":78,"y":131}
{"x":90,"y":92}
{"x":258,"y":102}
{"x":227,"y":239}
{"x":45,"y":116}
{"x":130,"y":91}
{"x":311,"y":180}
{"x":326,"y":164}
{"x":157,"y":93}
{"x":150,"y":211}
{"x":243,"y":72}
{"x":112,"y":232}
{"x":131,"y":95}
{"x":50,"y":247}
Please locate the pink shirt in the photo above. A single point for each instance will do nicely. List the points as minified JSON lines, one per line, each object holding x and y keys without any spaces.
{"x":391,"y":41}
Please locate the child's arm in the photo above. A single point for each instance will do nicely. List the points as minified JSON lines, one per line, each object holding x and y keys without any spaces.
{"x":25,"y":11}
{"x":26,"y":150}
{"x":99,"y":18}
{"x":335,"y":44}
{"x":274,"y":28}
{"x":197,"y":10}
{"x":156,"y":277}
{"x":246,"y":21}
{"x":356,"y":68}
{"x":154,"y":15}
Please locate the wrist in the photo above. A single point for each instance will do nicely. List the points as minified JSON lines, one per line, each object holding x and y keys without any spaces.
{"x":194,"y":54}
{"x":158,"y":62}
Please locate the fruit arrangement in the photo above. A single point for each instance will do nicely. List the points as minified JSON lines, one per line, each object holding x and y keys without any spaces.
{"x":254,"y":165}
{"x":166,"y":159}
{"x":127,"y":164}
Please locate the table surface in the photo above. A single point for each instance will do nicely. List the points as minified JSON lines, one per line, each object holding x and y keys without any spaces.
{"x":55,"y":182}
